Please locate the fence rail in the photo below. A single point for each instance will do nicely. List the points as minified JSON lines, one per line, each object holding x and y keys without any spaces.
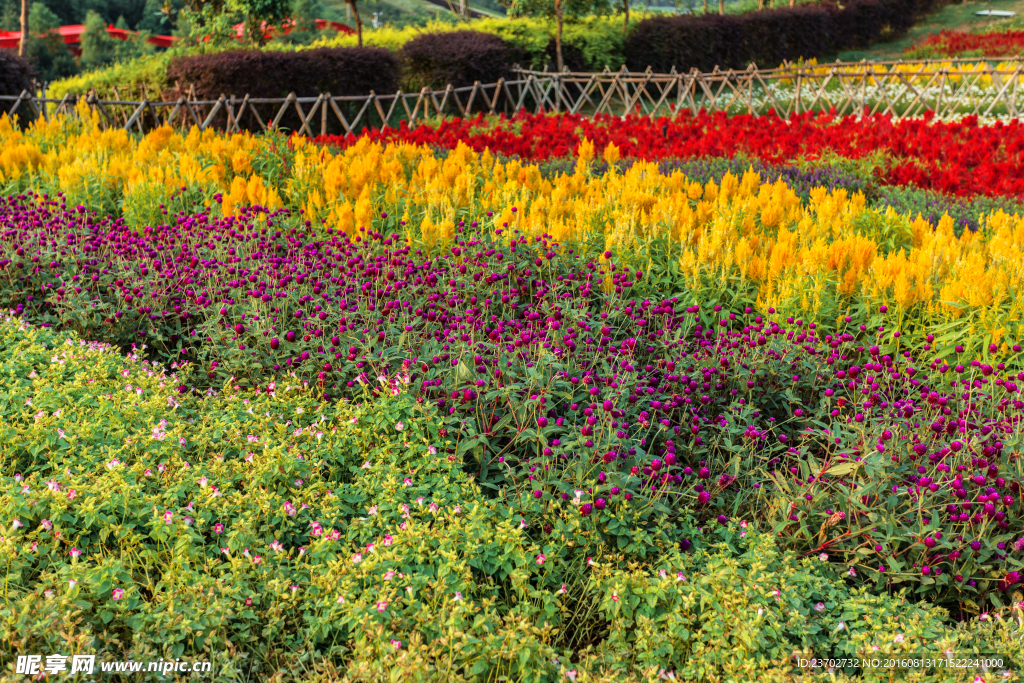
{"x":899,"y":89}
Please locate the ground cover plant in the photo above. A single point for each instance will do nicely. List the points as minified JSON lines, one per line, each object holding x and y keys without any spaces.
{"x":411,"y":413}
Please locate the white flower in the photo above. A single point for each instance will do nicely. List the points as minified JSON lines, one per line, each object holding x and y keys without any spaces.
{"x":898,"y":638}
{"x":366,"y":465}
{"x":823,"y":557}
{"x":841,"y":625}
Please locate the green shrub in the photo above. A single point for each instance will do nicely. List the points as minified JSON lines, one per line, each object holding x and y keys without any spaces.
{"x":148,"y":74}
{"x":271,"y":533}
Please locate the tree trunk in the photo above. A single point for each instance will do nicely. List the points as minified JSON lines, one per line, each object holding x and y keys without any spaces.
{"x":464,"y":9}
{"x":22,"y":46}
{"x":359,"y":21}
{"x":625,"y":22}
{"x":558,"y":36}
{"x":792,"y":3}
{"x":721,"y":6}
{"x":705,"y":6}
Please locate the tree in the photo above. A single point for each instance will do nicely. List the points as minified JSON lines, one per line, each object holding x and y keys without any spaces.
{"x":9,"y":20}
{"x":23,"y":45}
{"x":306,"y":13}
{"x":45,"y":49}
{"x":359,"y":22}
{"x":97,"y":45}
{"x":561,"y":11}
{"x":261,"y":15}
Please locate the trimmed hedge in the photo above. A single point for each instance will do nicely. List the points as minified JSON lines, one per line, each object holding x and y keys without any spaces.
{"x":15,"y":76}
{"x":459,"y":58}
{"x":307,"y":73}
{"x":766,"y":37}
{"x":339,"y":71}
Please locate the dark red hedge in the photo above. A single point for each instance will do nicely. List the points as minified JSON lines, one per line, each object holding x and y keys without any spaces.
{"x":307,"y":73}
{"x":459,"y":58}
{"x":15,"y":76}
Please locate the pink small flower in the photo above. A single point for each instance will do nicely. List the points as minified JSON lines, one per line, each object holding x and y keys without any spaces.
{"x":74,"y":552}
{"x":562,"y":590}
{"x":168,"y":517}
{"x":396,"y":643}
{"x":819,"y":607}
{"x":615,"y":597}
{"x":387,"y":540}
{"x":17,"y":524}
{"x":117,"y":593}
{"x":458,"y":596}
{"x":71,"y":494}
{"x":400,"y":426}
{"x":72,"y":583}
{"x":218,"y":528}
{"x":540,"y":559}
{"x":276,"y":546}
{"x":53,"y":485}
{"x":433,"y":507}
{"x":357,"y":558}
{"x":203,"y":481}
{"x":257,"y":559}
{"x":148,"y":473}
{"x":431,"y":450}
{"x":382,"y":605}
{"x":369,"y":547}
{"x":225,"y":551}
{"x":248,"y":602}
{"x":408,"y":481}
{"x":46,"y":524}
{"x":388,"y":575}
{"x":294,"y":588}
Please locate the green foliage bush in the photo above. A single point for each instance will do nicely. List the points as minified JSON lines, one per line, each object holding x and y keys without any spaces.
{"x":274,"y":534}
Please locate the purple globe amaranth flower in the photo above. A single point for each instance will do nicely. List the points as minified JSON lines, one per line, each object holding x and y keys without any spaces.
{"x":600,"y":503}
{"x":586,"y":509}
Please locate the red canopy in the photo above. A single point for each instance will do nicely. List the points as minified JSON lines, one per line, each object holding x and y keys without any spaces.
{"x":72,"y":34}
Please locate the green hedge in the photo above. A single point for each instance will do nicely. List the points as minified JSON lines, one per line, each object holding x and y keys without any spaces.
{"x":272,"y":533}
{"x":595,"y":42}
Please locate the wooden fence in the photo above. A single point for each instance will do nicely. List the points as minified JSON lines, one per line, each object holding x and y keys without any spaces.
{"x":899,"y":89}
{"x":307,"y":115}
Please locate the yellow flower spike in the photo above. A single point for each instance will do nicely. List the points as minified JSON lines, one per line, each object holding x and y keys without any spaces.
{"x":611,"y":154}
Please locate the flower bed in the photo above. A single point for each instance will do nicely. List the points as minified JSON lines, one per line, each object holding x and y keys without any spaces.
{"x":273,"y":533}
{"x":386,"y":398}
{"x":960,"y":158}
{"x":948,"y":43}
